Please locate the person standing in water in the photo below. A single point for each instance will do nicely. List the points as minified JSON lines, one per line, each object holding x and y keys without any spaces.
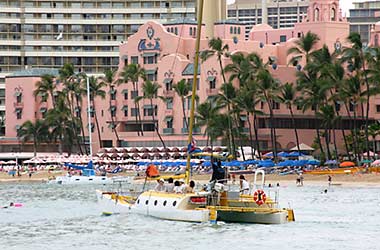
{"x":329,"y":179}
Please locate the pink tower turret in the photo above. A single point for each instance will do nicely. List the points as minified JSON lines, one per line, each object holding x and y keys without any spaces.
{"x":324,"y":11}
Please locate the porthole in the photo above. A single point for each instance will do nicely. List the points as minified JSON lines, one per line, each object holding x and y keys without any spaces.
{"x":164,"y":203}
{"x":174,"y":203}
{"x":146,"y":202}
{"x":138,"y":201}
{"x":155,"y":202}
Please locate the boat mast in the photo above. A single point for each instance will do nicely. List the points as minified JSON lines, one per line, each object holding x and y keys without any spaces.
{"x":194,"y":88}
{"x":89,"y":116}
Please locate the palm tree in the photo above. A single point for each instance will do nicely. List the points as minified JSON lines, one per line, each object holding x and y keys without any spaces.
{"x":374,"y":131}
{"x":150,"y":90}
{"x":109,"y":80}
{"x":245,"y":100}
{"x":358,"y":56}
{"x":133,"y":73}
{"x":327,"y":116}
{"x":96,"y":90}
{"x":46,"y":86}
{"x":58,"y":119}
{"x":219,"y":49}
{"x":353,"y":95}
{"x":225,"y":97}
{"x":205,"y":117}
{"x":268,"y":88}
{"x":183,"y":89}
{"x":304,"y":46}
{"x":36,"y":132}
{"x":288,"y":97}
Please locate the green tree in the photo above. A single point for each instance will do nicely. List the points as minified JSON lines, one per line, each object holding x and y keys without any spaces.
{"x":46,"y":86}
{"x":109,"y":79}
{"x":133,"y":73}
{"x":182,"y":89}
{"x":150,"y":92}
{"x":96,"y":90}
{"x":304,"y":46}
{"x":37,"y":132}
{"x":288,"y":97}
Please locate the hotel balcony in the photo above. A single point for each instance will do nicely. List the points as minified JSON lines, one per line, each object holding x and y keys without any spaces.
{"x":212,"y":92}
{"x":169,"y":112}
{"x":114,"y":103}
{"x":18,"y":105}
{"x":168,"y":131}
{"x":168,"y":93}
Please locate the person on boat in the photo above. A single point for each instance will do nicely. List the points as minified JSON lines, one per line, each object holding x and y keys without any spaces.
{"x":190,"y":188}
{"x":160,"y":187}
{"x":170,"y":185}
{"x":177,"y":187}
{"x":244,"y":185}
{"x":218,"y":173}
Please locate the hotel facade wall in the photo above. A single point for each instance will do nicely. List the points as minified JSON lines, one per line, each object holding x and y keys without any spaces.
{"x":166,"y":53}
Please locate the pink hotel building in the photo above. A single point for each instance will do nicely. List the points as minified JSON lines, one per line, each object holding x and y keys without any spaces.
{"x":166,"y":53}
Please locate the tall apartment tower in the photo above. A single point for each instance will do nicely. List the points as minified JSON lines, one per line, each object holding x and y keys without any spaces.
{"x":276,"y":13}
{"x":44,"y":33}
{"x":362,"y":18}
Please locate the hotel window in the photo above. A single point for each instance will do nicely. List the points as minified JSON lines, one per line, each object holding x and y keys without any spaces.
{"x":352,"y":106}
{"x":134,"y":94}
{"x":134,"y":59}
{"x":92,"y":112}
{"x":190,"y":83}
{"x":125,"y":109}
{"x":282,"y":39}
{"x":18,"y":97}
{"x":169,"y":103}
{"x":113,"y":94}
{"x":148,"y":110}
{"x":134,"y":111}
{"x":150,"y":59}
{"x":177,"y":4}
{"x":151,"y":76}
{"x":168,"y":84}
{"x":169,"y":122}
{"x":377,"y":108}
{"x":78,"y":112}
{"x":18,"y":114}
{"x":212,"y":82}
{"x":125,"y":93}
{"x":113,"y":111}
{"x":337,"y":106}
{"x":92,"y":128}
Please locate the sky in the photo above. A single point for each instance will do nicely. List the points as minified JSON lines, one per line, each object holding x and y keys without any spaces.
{"x":344,"y":4}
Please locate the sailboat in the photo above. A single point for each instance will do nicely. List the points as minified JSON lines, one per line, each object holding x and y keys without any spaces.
{"x":218,"y":203}
{"x":88,"y":175}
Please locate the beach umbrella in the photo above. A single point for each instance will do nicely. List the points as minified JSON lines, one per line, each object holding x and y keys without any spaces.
{"x":270,"y":154}
{"x":295,"y":154}
{"x":376,"y":163}
{"x":313,"y":162}
{"x":283,"y":154}
{"x":347,"y":164}
{"x":331,"y":162}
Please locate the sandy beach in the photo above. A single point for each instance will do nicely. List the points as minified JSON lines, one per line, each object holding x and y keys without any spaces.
{"x":356,"y":180}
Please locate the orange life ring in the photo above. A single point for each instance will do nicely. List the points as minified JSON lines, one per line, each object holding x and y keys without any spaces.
{"x":259,"y":197}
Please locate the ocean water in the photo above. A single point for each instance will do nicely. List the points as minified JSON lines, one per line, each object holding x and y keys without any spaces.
{"x":67,"y":217}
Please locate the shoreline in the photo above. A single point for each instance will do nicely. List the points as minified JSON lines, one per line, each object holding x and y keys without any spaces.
{"x":345,"y":180}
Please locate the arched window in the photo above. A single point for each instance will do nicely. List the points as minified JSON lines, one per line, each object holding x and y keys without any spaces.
{"x":316,"y":15}
{"x":376,"y":40}
{"x":235,"y":30}
{"x":333,"y":14}
{"x":231,"y":30}
{"x":191,"y":31}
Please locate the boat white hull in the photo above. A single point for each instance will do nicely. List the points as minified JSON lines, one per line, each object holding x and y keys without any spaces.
{"x":69,"y":180}
{"x":176,"y":207}
{"x":111,"y":206}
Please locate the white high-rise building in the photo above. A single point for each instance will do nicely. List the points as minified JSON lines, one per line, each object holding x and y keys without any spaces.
{"x":279,"y":13}
{"x":87,"y":33}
